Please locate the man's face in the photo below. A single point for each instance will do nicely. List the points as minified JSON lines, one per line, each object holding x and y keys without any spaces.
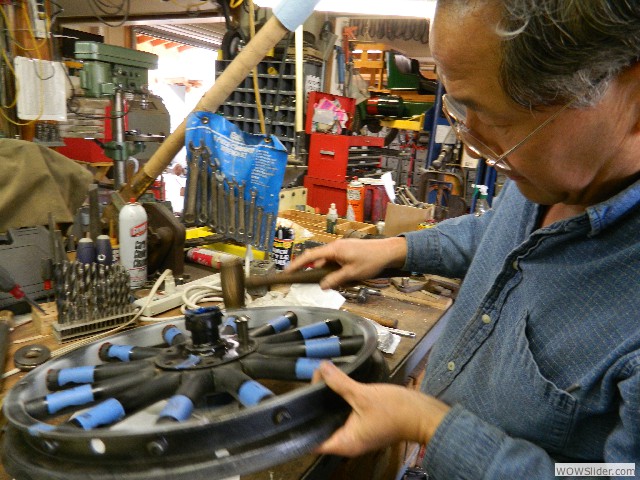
{"x":564,"y":161}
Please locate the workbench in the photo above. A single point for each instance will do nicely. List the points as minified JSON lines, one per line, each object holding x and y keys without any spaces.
{"x":413,"y":313}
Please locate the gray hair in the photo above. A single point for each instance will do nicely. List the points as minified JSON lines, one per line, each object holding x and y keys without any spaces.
{"x":556,"y":51}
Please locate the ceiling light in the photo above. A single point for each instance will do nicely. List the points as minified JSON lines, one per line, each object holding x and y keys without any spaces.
{"x":402,"y":8}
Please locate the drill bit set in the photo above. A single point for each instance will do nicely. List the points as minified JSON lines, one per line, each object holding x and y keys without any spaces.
{"x":90,"y":298}
{"x":233,"y":180}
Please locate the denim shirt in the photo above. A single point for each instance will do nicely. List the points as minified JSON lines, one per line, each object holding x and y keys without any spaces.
{"x":540,"y":356}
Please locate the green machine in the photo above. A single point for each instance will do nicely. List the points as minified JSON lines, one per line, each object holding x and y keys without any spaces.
{"x":112,"y":71}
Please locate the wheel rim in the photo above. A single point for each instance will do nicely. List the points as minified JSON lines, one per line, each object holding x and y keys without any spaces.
{"x":220,"y":440}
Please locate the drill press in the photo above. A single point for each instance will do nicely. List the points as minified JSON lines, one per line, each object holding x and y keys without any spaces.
{"x":112,"y":71}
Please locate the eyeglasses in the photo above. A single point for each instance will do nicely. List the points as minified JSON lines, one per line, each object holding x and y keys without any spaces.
{"x":456,"y":115}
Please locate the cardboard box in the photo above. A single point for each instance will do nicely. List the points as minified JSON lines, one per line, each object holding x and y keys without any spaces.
{"x":401,"y":218}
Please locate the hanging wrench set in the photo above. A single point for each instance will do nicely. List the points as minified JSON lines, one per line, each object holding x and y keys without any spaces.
{"x":233,"y":180}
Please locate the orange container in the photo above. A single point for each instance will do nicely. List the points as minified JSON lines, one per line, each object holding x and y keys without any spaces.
{"x":355,"y":199}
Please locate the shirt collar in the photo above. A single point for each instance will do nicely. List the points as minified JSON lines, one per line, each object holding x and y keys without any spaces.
{"x":603,"y":215}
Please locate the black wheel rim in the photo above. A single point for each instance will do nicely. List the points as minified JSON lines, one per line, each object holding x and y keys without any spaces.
{"x":217,"y":441}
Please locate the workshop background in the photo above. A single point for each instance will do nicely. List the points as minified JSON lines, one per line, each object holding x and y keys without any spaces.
{"x":144,"y":175}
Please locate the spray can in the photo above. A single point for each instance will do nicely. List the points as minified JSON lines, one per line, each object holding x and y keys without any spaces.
{"x":355,"y":199}
{"x":208,"y":258}
{"x":132,"y":235}
{"x":282,"y":247}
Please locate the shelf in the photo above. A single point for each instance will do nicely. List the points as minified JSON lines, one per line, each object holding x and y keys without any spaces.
{"x":240,"y":108}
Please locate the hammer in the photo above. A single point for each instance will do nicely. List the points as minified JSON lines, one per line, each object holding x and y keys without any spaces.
{"x":234,"y":282}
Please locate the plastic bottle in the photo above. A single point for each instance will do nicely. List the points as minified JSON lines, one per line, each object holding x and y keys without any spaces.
{"x":482,"y":205}
{"x":332,"y":219}
{"x":132,"y":235}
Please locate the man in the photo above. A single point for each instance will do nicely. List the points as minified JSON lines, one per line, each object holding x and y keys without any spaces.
{"x":539,"y":362}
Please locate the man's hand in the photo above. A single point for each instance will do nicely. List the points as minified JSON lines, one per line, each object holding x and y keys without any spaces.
{"x":383,"y":414}
{"x":358,"y":259}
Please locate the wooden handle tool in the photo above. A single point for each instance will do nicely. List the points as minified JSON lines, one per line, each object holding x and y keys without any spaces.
{"x":313,"y":275}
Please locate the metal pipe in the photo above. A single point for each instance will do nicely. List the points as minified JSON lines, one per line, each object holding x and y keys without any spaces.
{"x":119,"y":175}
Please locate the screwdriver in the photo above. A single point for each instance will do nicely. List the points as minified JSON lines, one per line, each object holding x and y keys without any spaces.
{"x":7,"y":284}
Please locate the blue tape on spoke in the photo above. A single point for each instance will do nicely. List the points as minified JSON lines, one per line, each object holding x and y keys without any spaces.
{"x":320,"y":329}
{"x":251,"y":393}
{"x":178,"y":407}
{"x":305,"y":368}
{"x":75,"y":396}
{"x":231,"y":322}
{"x":105,"y":413}
{"x":121,"y":352}
{"x":293,"y":13}
{"x":76,"y":375}
{"x":280,"y":324}
{"x":170,"y":334}
{"x":323,"y":347}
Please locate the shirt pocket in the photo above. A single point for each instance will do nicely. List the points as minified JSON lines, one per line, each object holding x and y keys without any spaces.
{"x":528,"y":405}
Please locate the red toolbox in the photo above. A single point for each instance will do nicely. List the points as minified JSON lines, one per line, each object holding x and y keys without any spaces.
{"x":331,"y":155}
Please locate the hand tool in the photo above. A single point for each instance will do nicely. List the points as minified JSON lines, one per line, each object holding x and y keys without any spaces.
{"x":402,"y":333}
{"x":232,"y":282}
{"x":270,"y":230}
{"x":192,"y":187}
{"x":407,"y":285}
{"x":369,"y":291}
{"x":258,"y":235}
{"x":252,"y":214}
{"x":213,"y":195}
{"x":58,"y":254}
{"x":313,"y":275}
{"x":241,"y":213}
{"x":231,"y":199}
{"x":360,"y":297}
{"x":203,"y":186}
{"x":7,"y":284}
{"x":221,"y":205}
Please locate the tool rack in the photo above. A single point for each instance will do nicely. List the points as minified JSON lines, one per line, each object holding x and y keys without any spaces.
{"x":241,"y":109}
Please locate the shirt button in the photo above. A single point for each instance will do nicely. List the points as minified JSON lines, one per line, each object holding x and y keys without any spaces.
{"x":451,"y":366}
{"x":486,"y":318}
{"x":515,"y":265}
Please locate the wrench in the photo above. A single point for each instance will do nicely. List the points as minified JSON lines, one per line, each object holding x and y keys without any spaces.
{"x":221,"y":210}
{"x":268,"y":235}
{"x":203,"y":187}
{"x":231,"y":198}
{"x":241,"y":213}
{"x":192,"y":189}
{"x":213,"y":194}
{"x":258,"y":235}
{"x":252,"y":213}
